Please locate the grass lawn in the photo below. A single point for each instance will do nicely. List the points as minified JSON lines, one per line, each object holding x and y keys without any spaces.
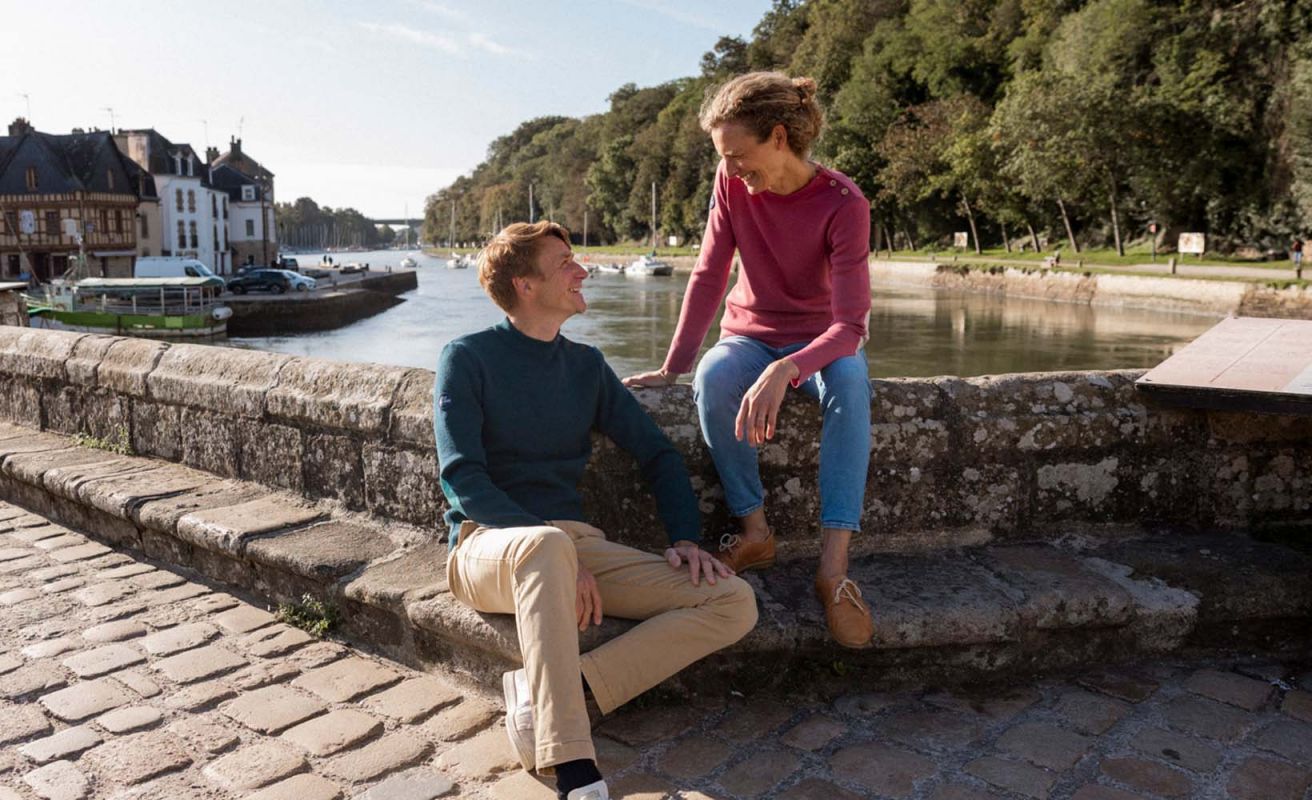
{"x":1108,"y":257}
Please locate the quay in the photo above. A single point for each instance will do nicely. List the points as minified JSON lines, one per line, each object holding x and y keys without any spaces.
{"x":1121,"y":569}
{"x":347,"y":299}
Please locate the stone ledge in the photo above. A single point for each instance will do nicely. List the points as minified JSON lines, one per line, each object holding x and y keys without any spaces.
{"x":939,"y":616}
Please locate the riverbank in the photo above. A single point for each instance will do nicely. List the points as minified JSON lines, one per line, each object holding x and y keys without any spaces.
{"x":321,"y":310}
{"x":1217,"y":297}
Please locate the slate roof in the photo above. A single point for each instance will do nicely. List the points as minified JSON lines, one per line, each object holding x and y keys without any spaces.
{"x":227,"y":178}
{"x":160,"y":153}
{"x":65,"y":163}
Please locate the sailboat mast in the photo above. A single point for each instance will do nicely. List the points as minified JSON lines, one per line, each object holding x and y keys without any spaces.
{"x":653,"y":217}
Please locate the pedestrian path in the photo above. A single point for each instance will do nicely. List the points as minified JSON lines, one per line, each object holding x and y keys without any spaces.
{"x":125,"y":678}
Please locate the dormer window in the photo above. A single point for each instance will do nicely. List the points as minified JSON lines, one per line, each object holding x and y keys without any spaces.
{"x":177,"y":164}
{"x":191,"y":165}
{"x":31,"y":179}
{"x":247,"y":193}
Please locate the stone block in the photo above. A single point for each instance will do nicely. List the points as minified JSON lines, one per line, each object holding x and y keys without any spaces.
{"x":157,"y":430}
{"x":30,"y":467}
{"x":225,"y":529}
{"x":199,"y":664}
{"x":1298,"y":705}
{"x":200,"y":696}
{"x":1055,"y":590}
{"x":935,"y":728}
{"x":881,"y":769}
{"x":273,"y":709}
{"x":1227,"y":687}
{"x":23,"y":721}
{"x":104,"y":660}
{"x":255,"y":766}
{"x":1185,"y":751}
{"x":334,"y":394}
{"x":333,"y":732}
{"x":85,"y":699}
{"x":1090,"y":713}
{"x":60,"y":780}
{"x":179,"y":638}
{"x":306,"y":786}
{"x":333,"y":468}
{"x":118,"y":493}
{"x":389,"y":584}
{"x":130,"y":718}
{"x":413,"y":699}
{"x":65,"y":744}
{"x":401,"y":484}
{"x":1045,"y":745}
{"x":21,"y":401}
{"x":411,"y":421}
{"x":243,"y":619}
{"x":1148,"y":776}
{"x":209,"y":442}
{"x":693,"y":758}
{"x":392,"y":752}
{"x":347,"y":679}
{"x":270,"y":454}
{"x":413,"y":784}
{"x":456,"y":722}
{"x":204,"y":734}
{"x":760,"y":773}
{"x":1013,"y":776}
{"x":1266,"y":779}
{"x":126,"y":363}
{"x":37,"y":354}
{"x":325,"y":551}
{"x":208,"y":377}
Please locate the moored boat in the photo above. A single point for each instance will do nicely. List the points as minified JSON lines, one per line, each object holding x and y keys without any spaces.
{"x":650,"y":265}
{"x":147,"y":307}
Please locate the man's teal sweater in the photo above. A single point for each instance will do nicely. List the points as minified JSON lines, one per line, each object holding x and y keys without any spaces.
{"x":513,"y":417}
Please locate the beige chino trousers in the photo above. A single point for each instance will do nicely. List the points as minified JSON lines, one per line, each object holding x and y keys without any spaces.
{"x":532,"y":572}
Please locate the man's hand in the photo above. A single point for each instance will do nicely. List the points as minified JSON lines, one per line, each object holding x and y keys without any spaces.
{"x":760,"y":407}
{"x":699,"y":562}
{"x":588,"y":600}
{"x":655,"y":378}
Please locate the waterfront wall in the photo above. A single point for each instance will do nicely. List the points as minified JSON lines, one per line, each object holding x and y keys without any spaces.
{"x":954,"y":461}
{"x":328,"y":309}
{"x":1131,"y":291}
{"x":13,"y":311}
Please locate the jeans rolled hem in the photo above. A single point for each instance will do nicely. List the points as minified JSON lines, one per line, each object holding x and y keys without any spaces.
{"x":552,"y":753}
{"x":854,"y":527}
{"x":750,"y":509}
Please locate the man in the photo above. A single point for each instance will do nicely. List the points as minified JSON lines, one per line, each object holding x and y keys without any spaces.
{"x":515,"y":406}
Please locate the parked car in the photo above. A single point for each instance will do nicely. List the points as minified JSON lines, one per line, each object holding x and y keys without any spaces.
{"x":300,"y":283}
{"x":288,"y":263}
{"x":254,"y":280}
{"x":174,"y":267}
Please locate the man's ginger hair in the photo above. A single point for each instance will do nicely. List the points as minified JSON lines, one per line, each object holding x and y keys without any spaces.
{"x":513,"y":253}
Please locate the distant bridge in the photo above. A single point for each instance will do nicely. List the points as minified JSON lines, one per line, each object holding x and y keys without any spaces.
{"x":412,"y":222}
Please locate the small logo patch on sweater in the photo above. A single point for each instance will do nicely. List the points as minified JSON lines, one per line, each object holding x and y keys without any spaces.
{"x":444,"y":401}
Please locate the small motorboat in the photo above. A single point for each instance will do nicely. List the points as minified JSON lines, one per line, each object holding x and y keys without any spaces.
{"x":650,"y":265}
{"x":409,"y":263}
{"x":612,"y":268}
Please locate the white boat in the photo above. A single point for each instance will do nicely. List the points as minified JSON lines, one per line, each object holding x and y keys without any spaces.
{"x":616,"y":269}
{"x":409,"y":263}
{"x":650,"y":265}
{"x":457,"y":261}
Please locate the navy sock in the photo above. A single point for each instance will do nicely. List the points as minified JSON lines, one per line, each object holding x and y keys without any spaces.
{"x":574,"y":774}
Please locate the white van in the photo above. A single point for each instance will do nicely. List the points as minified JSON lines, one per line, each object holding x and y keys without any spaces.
{"x":173,"y":267}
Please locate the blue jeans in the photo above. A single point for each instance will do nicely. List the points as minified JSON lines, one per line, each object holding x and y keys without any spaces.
{"x":725,"y":374}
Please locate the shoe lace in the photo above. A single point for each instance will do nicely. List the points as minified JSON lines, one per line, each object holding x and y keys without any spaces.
{"x":848,"y":589}
{"x":729,"y":542}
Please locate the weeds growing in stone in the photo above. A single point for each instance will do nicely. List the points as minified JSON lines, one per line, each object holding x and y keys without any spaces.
{"x":116,"y":442}
{"x":315,"y":617}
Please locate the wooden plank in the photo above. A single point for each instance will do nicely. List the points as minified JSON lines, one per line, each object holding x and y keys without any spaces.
{"x":1245,"y":363}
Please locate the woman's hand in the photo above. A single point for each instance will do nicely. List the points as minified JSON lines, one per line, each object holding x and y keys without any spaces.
{"x":760,"y":407}
{"x":655,"y":378}
{"x":587,"y":602}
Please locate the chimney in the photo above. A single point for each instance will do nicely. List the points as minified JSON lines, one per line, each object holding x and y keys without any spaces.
{"x":19,"y":127}
{"x":234,"y":146}
{"x":211,"y":155}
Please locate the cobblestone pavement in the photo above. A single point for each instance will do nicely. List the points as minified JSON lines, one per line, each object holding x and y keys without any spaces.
{"x":120,"y":678}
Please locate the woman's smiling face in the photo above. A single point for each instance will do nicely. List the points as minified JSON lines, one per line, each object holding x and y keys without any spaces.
{"x":758,"y":164}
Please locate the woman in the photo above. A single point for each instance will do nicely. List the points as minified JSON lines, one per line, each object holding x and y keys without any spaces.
{"x":797,"y":316}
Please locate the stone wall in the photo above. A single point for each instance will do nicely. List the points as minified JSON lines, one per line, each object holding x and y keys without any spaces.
{"x":954,"y":461}
{"x":12,"y":309}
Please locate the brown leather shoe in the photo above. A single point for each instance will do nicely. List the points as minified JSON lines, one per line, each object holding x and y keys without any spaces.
{"x":740,"y":555}
{"x":846,"y":613}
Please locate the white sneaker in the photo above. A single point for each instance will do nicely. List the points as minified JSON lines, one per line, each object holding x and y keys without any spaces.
{"x":519,"y":716}
{"x":593,"y":791}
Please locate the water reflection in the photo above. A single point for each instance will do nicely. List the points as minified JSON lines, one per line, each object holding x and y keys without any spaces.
{"x":913,"y":331}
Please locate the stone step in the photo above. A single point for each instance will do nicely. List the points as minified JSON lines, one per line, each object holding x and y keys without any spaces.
{"x":941,"y":616}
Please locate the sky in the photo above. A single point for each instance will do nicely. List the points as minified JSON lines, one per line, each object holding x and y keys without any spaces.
{"x":367,"y":105}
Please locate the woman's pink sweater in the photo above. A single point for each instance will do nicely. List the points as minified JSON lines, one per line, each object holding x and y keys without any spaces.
{"x":804,"y":274}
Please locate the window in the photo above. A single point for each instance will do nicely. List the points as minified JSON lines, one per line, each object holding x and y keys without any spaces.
{"x":182,"y":235}
{"x":194,"y":242}
{"x":247,"y":193}
{"x":145,"y":251}
{"x":225,"y":208}
{"x":145,"y":228}
{"x":179,"y":193}
{"x":191,"y":272}
{"x":31,"y":179}
{"x":104,"y":220}
{"x":52,"y":223}
{"x":214,"y":205}
{"x":109,"y":179}
{"x":191,"y":200}
{"x":250,"y":228}
{"x":215,"y":231}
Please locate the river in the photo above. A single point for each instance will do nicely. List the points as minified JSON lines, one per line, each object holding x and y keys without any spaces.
{"x":914,"y":332}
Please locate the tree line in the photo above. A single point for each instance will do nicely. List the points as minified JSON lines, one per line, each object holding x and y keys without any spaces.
{"x":1029,"y":123}
{"x":305,"y":224}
